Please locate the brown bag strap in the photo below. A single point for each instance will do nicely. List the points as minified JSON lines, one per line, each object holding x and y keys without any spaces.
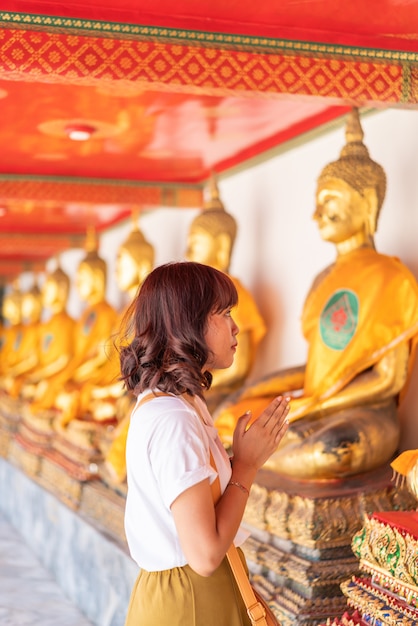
{"x":255,"y":609}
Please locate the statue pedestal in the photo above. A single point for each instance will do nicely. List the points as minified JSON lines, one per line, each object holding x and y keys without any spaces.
{"x":73,"y":484}
{"x":10,"y":414}
{"x":60,"y":465}
{"x":300,"y":549}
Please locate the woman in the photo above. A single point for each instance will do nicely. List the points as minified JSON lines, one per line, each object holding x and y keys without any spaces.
{"x":180,"y":327}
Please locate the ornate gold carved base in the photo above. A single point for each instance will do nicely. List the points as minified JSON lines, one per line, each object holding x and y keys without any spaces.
{"x":24,"y":456}
{"x":302,"y":532}
{"x":79,"y":462}
{"x":347,"y":619}
{"x":8,"y":429}
{"x":75,"y":448}
{"x":387,"y":591}
{"x":55,"y":477}
{"x":6,"y":437}
{"x":106,"y":507}
{"x":377,"y":605}
{"x":62,"y":474}
{"x":39,"y":440}
{"x":39,"y":425}
{"x":9,"y":421}
{"x":298,"y":590}
{"x":28,"y":446}
{"x":70,"y":472}
{"x":66,"y":476}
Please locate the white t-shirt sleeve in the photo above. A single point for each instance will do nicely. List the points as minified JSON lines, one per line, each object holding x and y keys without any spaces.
{"x":178,"y":452}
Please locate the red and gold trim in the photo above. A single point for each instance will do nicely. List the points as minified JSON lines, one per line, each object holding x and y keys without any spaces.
{"x":88,"y":52}
{"x":199,"y":38}
{"x":99,"y":192}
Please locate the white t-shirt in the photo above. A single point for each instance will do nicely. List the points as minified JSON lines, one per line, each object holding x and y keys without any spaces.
{"x":167,"y":452}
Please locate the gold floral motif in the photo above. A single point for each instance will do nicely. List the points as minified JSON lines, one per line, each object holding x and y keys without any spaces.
{"x":381,"y":578}
{"x":276,"y":514}
{"x":381,"y":545}
{"x":256,"y":506}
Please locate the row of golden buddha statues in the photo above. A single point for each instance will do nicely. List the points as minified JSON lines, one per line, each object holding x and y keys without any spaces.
{"x":360,"y":321}
{"x":61,"y":374}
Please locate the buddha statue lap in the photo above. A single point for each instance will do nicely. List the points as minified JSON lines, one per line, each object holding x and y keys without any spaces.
{"x":210,"y":241}
{"x":360,"y":320}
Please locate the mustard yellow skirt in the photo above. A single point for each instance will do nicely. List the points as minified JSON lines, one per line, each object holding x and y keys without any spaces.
{"x":180,"y":597}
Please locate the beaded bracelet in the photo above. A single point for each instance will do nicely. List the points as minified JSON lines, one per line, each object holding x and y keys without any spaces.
{"x":234,"y":483}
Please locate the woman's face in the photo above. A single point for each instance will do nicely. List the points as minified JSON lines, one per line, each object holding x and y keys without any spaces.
{"x":220,"y":337}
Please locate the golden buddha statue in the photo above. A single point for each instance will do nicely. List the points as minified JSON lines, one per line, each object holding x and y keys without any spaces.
{"x":360,"y":320}
{"x":135,"y":260}
{"x":89,"y":365}
{"x":91,"y":338}
{"x":11,"y":354}
{"x":28,"y":354}
{"x":56,"y":342}
{"x":13,"y":329}
{"x":210,"y":241}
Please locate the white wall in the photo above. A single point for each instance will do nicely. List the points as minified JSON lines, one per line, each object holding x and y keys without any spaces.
{"x":278,"y":250}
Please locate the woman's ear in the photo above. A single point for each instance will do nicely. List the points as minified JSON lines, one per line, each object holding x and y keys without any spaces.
{"x":372,"y":210}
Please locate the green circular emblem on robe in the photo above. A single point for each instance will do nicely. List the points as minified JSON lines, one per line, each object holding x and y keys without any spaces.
{"x":339,"y":319}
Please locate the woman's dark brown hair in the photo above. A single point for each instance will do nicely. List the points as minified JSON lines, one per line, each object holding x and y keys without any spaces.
{"x":164,"y":344}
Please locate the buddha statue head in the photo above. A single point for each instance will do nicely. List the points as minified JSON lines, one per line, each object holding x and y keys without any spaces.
{"x":55,"y":290}
{"x":212,"y":233}
{"x":350,"y":191}
{"x":91,"y":275}
{"x":32,"y":305}
{"x":134,"y":261}
{"x":12,"y":306}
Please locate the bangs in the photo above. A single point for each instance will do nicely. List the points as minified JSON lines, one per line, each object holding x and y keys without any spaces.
{"x":226,"y":294}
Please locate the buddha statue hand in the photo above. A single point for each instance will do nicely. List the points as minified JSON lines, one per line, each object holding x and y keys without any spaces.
{"x":67,"y":405}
